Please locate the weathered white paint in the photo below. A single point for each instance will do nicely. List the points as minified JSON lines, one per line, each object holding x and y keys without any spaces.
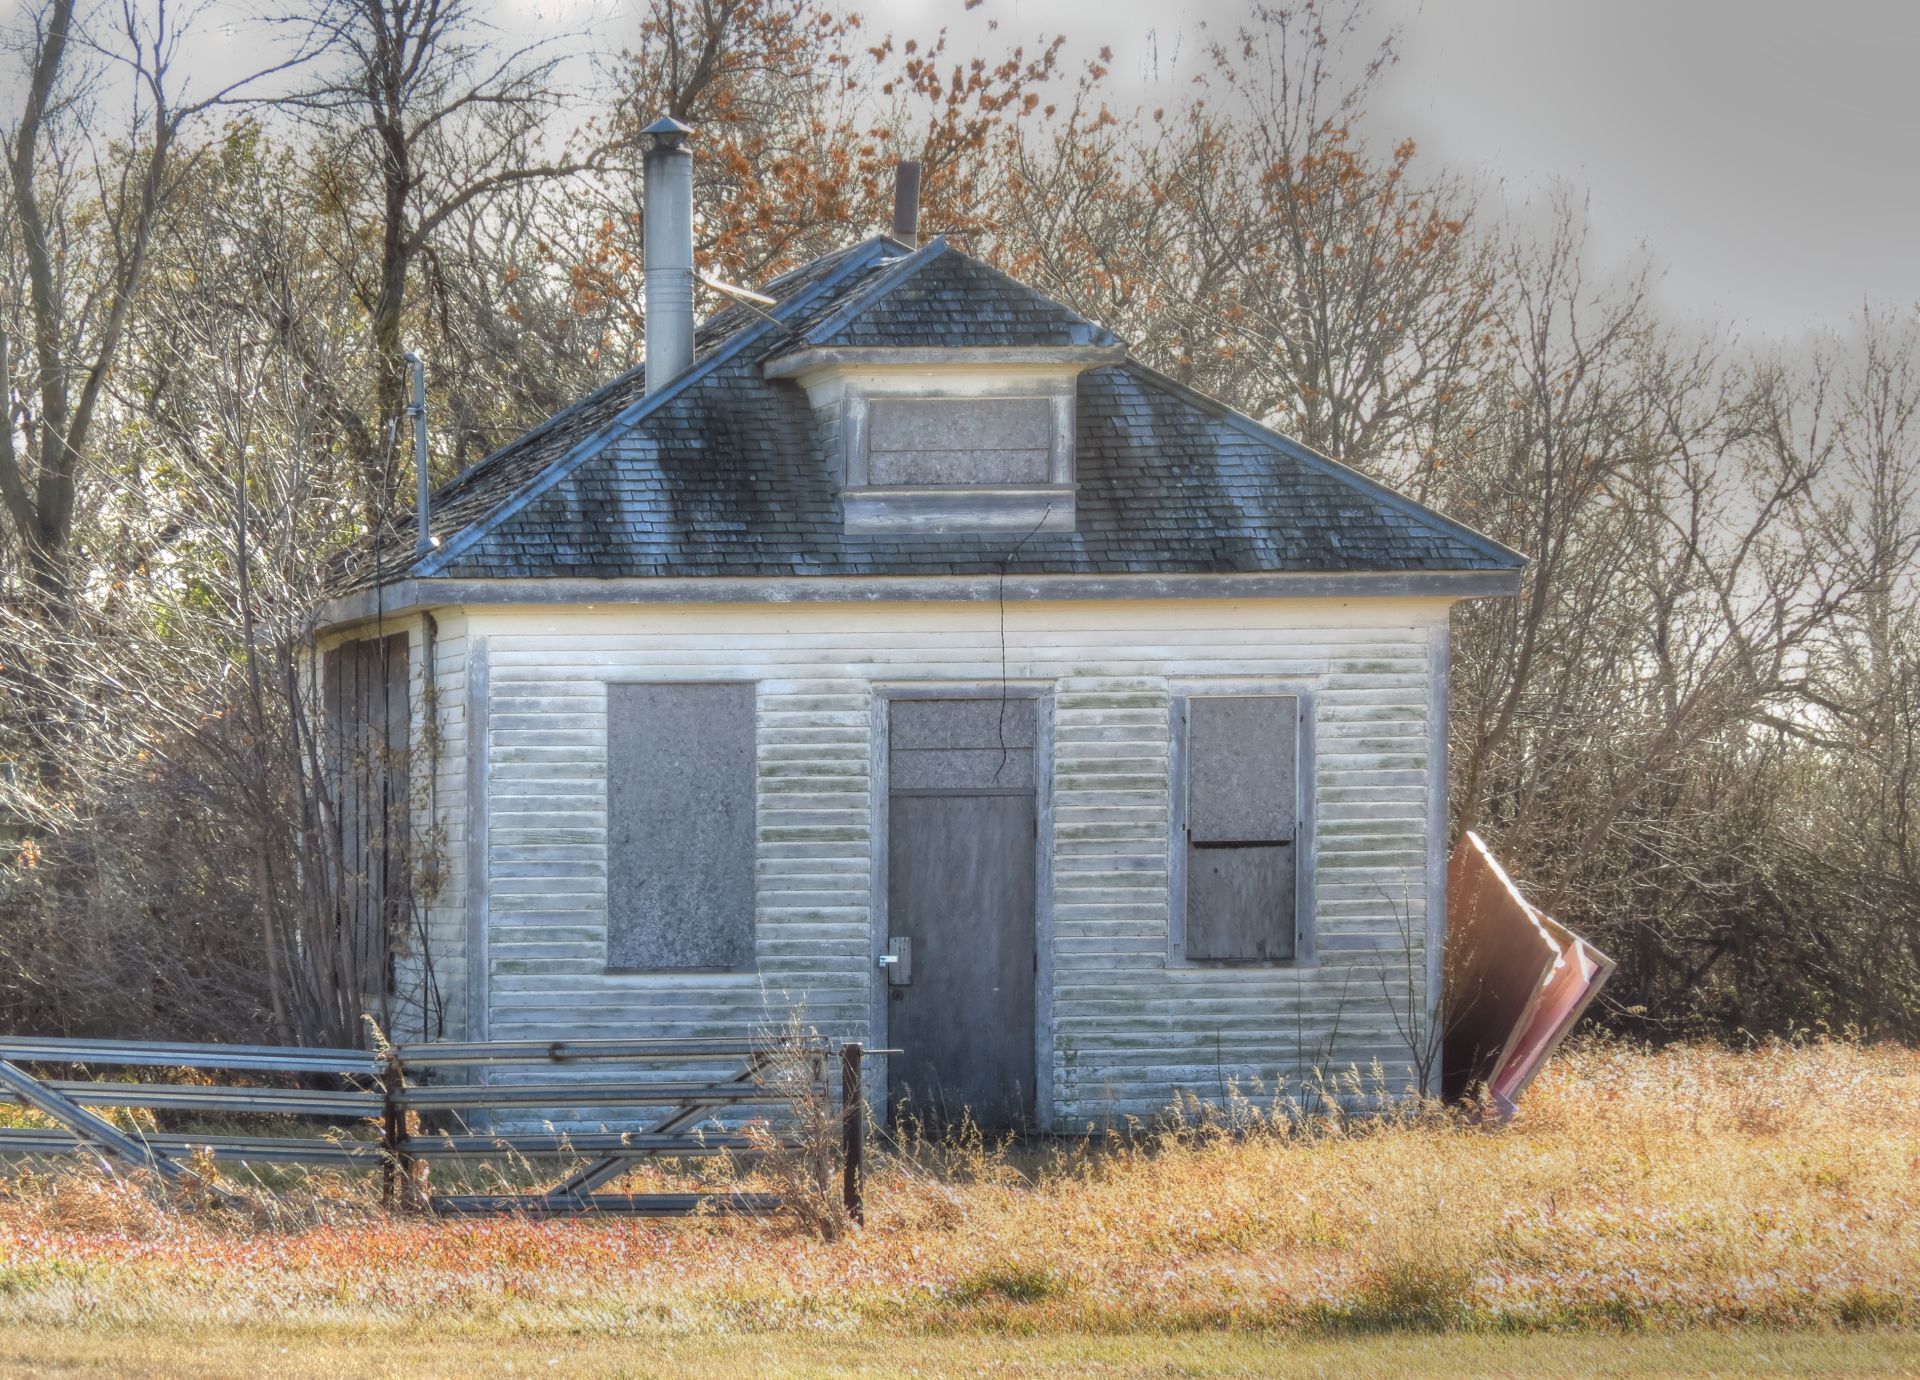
{"x":1127,"y":1031}
{"x":434,"y":995}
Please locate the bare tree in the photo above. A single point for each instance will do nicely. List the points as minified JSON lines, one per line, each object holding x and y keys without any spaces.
{"x":425,"y":119}
{"x":82,"y":210}
{"x":1551,"y":442}
{"x":1251,"y":242}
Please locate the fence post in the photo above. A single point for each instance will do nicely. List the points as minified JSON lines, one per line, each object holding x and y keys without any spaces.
{"x":396,"y":1185}
{"x":853,"y":1131}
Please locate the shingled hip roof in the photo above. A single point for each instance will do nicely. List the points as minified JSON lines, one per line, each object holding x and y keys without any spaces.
{"x":725,"y":473}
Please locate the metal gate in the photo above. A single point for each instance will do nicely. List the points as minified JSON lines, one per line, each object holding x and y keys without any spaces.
{"x":367,"y":1110}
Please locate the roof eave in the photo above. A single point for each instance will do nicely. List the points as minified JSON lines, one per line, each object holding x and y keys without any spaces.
{"x":414,"y":595}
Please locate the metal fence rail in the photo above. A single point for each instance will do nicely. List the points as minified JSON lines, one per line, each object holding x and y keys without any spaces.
{"x":373,"y":1099}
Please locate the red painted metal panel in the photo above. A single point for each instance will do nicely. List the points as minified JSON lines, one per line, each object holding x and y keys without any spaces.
{"x":1517,"y":980}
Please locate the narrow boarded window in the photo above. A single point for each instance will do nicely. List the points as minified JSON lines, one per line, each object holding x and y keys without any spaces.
{"x":1242,"y":825}
{"x":365,"y":701}
{"x":680,"y":829}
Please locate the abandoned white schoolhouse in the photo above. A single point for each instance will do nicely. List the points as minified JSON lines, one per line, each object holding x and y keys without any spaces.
{"x":894,"y":651}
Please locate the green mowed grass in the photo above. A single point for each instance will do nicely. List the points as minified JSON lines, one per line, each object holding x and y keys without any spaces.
{"x":411,"y":1350}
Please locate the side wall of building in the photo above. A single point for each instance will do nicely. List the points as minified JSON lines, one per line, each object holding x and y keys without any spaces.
{"x":436,"y":975}
{"x":432,"y":984}
{"x":1125,"y":1030}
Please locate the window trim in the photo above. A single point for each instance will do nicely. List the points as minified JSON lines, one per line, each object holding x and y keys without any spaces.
{"x":1305,"y":937}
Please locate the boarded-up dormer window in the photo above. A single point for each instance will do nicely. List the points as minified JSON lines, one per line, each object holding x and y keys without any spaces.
{"x":680,"y":826}
{"x":948,"y":439}
{"x":990,"y":457}
{"x":941,"y":442}
{"x":1239,"y":829}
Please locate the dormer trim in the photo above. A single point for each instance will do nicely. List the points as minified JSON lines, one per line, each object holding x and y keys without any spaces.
{"x":938,"y":440}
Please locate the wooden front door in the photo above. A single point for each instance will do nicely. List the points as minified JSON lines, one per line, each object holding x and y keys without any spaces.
{"x":961,"y":861}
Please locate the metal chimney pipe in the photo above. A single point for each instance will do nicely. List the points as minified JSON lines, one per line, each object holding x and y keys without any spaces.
{"x":906,"y":202}
{"x":417,"y":410}
{"x":668,"y":216}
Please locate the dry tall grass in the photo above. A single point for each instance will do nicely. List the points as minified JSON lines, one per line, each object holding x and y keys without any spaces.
{"x":1778,"y":1186}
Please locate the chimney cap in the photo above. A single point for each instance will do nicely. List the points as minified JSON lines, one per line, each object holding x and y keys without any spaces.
{"x":667,"y":132}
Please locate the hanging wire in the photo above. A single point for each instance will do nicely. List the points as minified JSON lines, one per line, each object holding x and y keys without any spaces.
{"x":1001,"y":598}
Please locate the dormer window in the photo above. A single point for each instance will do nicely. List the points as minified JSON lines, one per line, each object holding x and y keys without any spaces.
{"x":949,"y":440}
{"x":930,"y":442}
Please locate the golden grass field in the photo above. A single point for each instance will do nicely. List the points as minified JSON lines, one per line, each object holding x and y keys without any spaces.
{"x":1689,"y":1210}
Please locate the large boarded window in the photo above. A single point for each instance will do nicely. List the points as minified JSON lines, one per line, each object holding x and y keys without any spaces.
{"x":680,"y":831}
{"x":1240,"y":828}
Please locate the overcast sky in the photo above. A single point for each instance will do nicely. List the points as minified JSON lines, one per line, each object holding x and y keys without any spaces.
{"x":1763,"y":152}
{"x":1766,"y":153}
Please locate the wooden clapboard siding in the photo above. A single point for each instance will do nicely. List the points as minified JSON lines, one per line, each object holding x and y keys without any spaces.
{"x":446,"y":914}
{"x":433,"y":980}
{"x":1127,"y":1029}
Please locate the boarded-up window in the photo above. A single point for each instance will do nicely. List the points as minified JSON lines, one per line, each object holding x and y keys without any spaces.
{"x":1242,"y":827}
{"x":365,"y":699}
{"x":938,"y":442}
{"x":680,"y":828}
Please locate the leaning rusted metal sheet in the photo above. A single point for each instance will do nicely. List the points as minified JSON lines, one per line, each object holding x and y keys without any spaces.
{"x":1517,"y":980}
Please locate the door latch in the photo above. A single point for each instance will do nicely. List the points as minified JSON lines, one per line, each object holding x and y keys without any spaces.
{"x":897,"y":962}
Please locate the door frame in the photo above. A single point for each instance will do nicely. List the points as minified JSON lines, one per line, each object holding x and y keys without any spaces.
{"x":880,"y":812}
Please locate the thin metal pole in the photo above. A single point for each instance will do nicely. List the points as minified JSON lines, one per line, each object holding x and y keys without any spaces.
{"x":853,"y":1129}
{"x":417,"y":410}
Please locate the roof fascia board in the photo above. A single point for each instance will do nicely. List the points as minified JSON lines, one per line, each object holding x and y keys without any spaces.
{"x":1306,"y":454}
{"x":414,"y":594}
{"x":462,"y":541}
